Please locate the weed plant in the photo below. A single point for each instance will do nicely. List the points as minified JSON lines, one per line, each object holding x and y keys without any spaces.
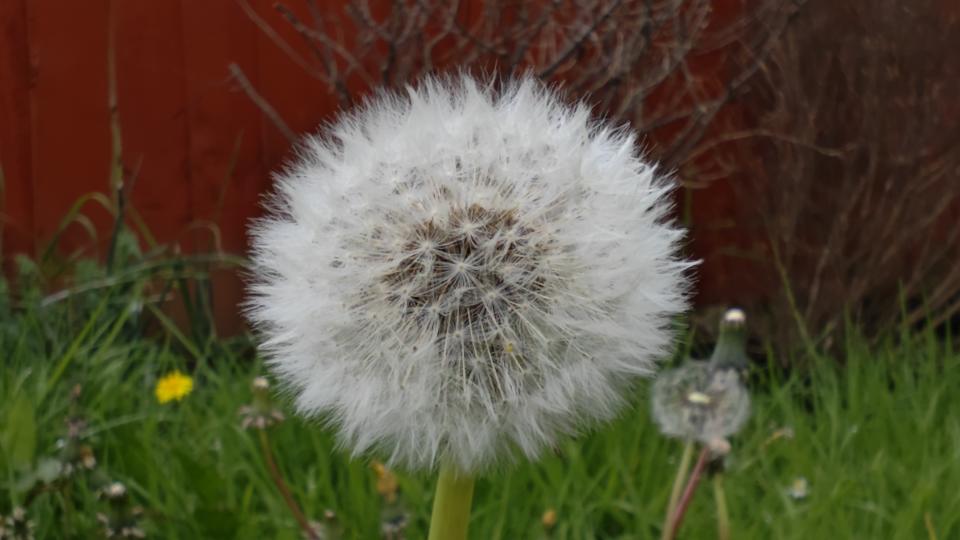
{"x":864,"y":447}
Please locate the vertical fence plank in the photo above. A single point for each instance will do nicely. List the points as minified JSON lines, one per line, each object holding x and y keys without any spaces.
{"x":228,"y":171}
{"x":16,"y":192}
{"x":72,"y":135}
{"x":152,"y":105}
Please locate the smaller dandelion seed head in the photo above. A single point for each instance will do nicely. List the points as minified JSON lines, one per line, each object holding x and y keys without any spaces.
{"x":696,"y":402}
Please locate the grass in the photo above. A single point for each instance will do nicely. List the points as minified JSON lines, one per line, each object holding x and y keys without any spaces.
{"x":875,"y":433}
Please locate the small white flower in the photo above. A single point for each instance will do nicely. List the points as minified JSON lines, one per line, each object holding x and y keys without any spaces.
{"x":799,"y":489}
{"x":456,"y":272}
{"x":16,"y":526}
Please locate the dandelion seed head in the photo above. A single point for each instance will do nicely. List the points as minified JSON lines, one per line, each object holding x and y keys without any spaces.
{"x":459,"y":272}
{"x":699,"y":403}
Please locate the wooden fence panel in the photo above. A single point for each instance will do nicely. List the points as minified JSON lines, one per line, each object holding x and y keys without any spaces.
{"x":16,"y":191}
{"x":199,"y":150}
{"x":151,"y":98}
{"x":71,"y":134}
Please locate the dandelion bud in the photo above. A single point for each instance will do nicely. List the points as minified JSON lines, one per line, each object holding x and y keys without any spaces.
{"x":730,"y":351}
{"x":261,"y":414}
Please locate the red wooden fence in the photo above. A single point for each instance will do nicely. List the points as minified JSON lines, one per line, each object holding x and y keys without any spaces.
{"x":200,"y":151}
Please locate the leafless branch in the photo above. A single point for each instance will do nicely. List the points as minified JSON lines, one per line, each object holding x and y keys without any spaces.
{"x":261,"y":103}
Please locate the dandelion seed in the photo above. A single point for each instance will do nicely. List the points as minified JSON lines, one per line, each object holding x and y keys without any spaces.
{"x":459,"y":273}
{"x":173,"y":387}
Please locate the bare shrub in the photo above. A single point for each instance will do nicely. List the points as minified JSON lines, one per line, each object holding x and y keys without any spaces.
{"x":858,"y":188}
{"x":618,"y":54}
{"x":851,"y":154}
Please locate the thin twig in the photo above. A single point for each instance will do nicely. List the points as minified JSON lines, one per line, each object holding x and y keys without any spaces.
{"x":687,"y":496}
{"x":261,"y":103}
{"x":284,"y":490}
{"x":116,"y":137}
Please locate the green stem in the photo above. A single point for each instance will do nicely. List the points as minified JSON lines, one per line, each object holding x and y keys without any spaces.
{"x":678,"y":482}
{"x":723,"y":517}
{"x":451,"y":505}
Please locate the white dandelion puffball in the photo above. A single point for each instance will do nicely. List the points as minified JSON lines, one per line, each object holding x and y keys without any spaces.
{"x":455,"y":273}
{"x":699,"y":403}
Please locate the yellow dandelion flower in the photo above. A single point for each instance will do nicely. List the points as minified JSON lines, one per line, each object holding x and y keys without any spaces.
{"x":549,"y":518}
{"x":173,"y":386}
{"x":386,"y":482}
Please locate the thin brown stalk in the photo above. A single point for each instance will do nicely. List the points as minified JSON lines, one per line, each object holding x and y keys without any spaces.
{"x":264,"y":105}
{"x":677,"y":520}
{"x":281,"y":484}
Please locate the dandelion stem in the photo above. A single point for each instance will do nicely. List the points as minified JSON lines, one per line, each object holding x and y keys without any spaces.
{"x":684,"y":503}
{"x":678,"y":482}
{"x":282,"y":486}
{"x":928,"y":522}
{"x":723,"y":516}
{"x":451,"y":505}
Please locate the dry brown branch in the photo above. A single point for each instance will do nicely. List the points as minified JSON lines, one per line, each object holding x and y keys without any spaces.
{"x":853,"y":147}
{"x":866,"y":232}
{"x":632,"y":59}
{"x":241,"y":79}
